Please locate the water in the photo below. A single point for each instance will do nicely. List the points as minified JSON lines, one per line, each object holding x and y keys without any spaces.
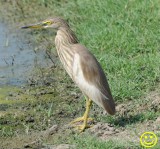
{"x":17,"y":59}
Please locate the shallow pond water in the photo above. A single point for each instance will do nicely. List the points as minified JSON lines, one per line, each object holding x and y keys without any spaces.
{"x":17,"y":58}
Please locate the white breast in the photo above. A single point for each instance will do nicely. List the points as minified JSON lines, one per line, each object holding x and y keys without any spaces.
{"x":87,"y":88}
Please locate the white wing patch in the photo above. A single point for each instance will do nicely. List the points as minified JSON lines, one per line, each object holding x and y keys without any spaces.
{"x":87,"y":88}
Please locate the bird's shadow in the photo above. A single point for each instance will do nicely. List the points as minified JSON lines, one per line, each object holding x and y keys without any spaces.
{"x":128,"y":120}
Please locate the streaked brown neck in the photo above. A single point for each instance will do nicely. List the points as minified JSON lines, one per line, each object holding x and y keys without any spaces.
{"x":66,"y":36}
{"x":64,"y":39}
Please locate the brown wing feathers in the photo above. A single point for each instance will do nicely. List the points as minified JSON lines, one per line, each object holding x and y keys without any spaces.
{"x":94,"y":74}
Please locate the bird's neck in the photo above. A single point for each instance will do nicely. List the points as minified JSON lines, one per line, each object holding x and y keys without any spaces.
{"x":65,"y":36}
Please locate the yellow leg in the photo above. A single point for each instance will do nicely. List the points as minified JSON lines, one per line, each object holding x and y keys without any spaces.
{"x":84,"y":118}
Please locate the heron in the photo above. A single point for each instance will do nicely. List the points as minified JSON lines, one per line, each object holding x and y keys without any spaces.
{"x":82,"y":66}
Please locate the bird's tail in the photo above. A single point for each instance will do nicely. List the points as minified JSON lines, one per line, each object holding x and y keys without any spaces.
{"x":109,"y":105}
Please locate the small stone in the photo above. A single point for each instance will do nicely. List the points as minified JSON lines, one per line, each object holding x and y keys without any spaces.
{"x":51,"y":130}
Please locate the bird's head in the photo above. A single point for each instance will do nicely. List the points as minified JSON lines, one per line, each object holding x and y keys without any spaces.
{"x":49,"y":23}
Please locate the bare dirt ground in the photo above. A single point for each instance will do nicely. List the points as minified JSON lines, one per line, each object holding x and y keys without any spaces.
{"x":104,"y":131}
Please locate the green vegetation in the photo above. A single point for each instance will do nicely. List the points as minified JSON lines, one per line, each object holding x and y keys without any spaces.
{"x":123,"y":35}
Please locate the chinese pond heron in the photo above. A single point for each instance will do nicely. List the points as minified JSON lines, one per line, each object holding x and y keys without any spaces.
{"x":82,"y":67}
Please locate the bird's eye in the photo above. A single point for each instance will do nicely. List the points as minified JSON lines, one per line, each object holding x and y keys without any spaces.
{"x":47,"y":23}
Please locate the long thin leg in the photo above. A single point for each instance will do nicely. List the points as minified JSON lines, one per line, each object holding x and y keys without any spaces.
{"x":88,"y":106}
{"x":85,"y":116}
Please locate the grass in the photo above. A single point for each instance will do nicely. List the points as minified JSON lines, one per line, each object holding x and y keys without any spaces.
{"x":124,"y":36}
{"x":89,"y":142}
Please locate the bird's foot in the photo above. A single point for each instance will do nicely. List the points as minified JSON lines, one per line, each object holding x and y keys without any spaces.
{"x":79,"y":119}
{"x":82,"y":127}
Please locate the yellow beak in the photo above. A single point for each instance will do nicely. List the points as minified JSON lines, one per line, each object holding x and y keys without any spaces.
{"x":38,"y":25}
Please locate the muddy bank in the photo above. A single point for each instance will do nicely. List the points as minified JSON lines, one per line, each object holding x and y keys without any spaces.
{"x":32,"y":85}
